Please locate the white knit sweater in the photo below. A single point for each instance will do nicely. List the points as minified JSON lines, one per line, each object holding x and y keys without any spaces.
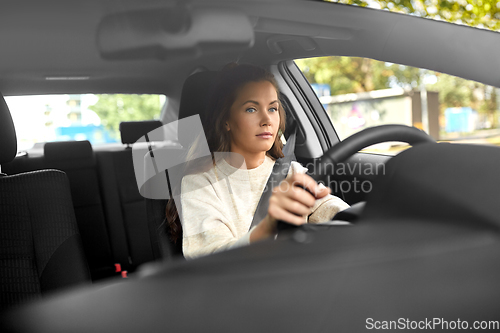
{"x":218,"y":206}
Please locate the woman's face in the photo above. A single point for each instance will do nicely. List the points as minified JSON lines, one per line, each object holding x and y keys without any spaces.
{"x":254,"y":118}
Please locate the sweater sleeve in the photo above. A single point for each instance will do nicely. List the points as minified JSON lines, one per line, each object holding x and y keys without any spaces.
{"x":205,"y":222}
{"x":325,"y":208}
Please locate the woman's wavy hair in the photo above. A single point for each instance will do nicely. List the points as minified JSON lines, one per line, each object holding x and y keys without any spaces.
{"x":231,"y":79}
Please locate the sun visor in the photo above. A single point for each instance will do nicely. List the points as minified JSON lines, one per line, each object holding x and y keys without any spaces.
{"x":162,"y":33}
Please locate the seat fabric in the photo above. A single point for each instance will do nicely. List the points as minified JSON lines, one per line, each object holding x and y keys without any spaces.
{"x":124,"y":207}
{"x":40,"y":246}
{"x":77,"y":160}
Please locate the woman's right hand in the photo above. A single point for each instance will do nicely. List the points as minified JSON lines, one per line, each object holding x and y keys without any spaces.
{"x":291,"y":201}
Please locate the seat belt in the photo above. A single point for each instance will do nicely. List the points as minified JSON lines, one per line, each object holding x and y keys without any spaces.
{"x":279,"y":173}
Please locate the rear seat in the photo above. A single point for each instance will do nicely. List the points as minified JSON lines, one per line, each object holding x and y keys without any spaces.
{"x":124,"y":207}
{"x":77,"y":160}
{"x":111,"y":214}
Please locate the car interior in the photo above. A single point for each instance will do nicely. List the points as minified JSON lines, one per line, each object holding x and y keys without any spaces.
{"x":83,"y":249}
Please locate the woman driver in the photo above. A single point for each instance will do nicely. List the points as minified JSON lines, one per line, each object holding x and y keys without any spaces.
{"x":246,"y":119}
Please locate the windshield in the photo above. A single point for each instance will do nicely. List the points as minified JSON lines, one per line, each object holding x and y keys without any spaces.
{"x":361,"y":92}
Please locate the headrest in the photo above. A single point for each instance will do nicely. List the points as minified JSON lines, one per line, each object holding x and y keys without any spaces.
{"x":131,"y":131}
{"x":196,"y":93}
{"x":195,"y":98}
{"x":438,"y":183}
{"x":8,"y":140}
{"x":69,"y":154}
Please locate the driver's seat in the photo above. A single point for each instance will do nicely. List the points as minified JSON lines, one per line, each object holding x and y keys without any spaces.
{"x":198,"y":85}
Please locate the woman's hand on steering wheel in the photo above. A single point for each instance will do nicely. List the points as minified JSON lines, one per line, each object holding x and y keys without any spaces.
{"x":291,"y":201}
{"x":294,"y":198}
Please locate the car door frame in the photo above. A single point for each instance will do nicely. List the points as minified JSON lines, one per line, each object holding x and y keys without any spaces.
{"x":354,"y":181}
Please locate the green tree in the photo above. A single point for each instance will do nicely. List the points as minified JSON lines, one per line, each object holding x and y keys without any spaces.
{"x":348,"y":75}
{"x":458,"y":92}
{"x":476,"y":13}
{"x":352,"y":75}
{"x":113,"y":109}
{"x":454,"y":91}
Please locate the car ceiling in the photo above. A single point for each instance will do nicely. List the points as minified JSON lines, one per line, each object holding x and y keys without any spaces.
{"x":58,"y":39}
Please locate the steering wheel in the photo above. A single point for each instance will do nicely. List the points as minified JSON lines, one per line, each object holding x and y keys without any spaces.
{"x":367,"y":137}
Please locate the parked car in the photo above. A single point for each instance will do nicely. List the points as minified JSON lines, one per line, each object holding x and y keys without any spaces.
{"x":82,"y":252}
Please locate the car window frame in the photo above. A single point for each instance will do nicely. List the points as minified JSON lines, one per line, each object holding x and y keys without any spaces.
{"x":324,"y":130}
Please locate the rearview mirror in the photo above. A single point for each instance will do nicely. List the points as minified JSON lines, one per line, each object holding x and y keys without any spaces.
{"x":177,"y":31}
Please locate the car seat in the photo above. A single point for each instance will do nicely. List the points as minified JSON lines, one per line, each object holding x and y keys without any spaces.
{"x":198,"y":85}
{"x":40,"y":246}
{"x":124,"y":207}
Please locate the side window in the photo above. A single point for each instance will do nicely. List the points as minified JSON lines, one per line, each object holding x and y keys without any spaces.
{"x":359,"y":92}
